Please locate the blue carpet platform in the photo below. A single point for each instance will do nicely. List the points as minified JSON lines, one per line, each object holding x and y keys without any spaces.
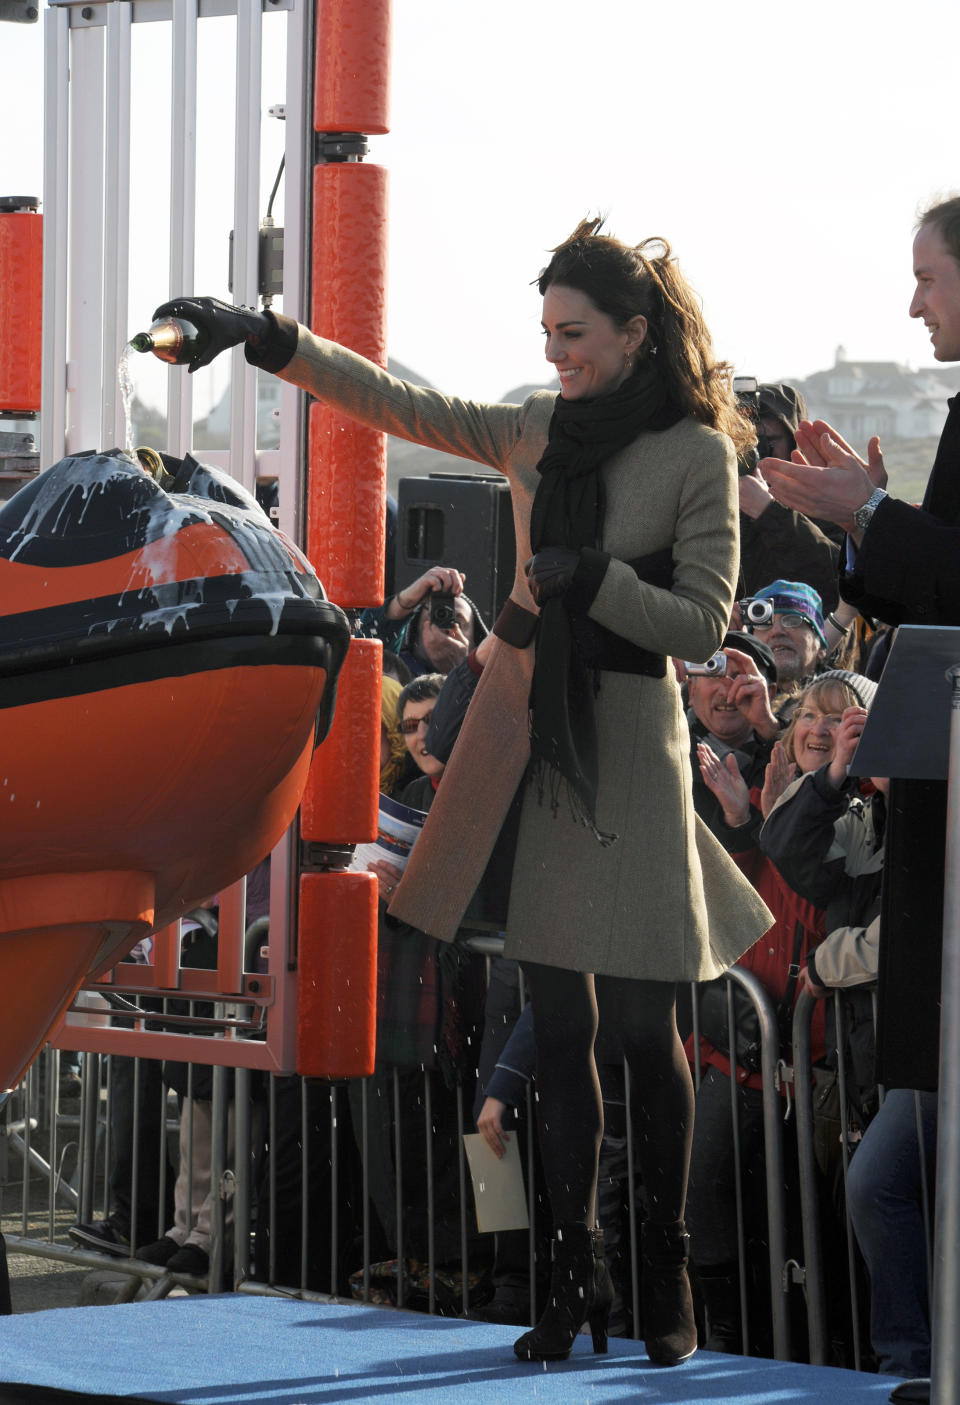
{"x":240,"y":1350}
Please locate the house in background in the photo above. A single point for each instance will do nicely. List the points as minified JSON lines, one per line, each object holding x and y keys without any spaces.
{"x":863,"y":398}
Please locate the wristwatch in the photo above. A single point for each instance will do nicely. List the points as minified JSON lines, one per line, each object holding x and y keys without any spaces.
{"x":864,"y":513}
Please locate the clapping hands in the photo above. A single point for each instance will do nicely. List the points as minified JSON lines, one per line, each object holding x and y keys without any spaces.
{"x":825,"y":477}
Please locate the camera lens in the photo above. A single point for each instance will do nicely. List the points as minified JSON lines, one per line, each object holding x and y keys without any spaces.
{"x":760,"y":611}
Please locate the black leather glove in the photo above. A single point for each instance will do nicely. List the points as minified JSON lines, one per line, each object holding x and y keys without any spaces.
{"x":550,"y":572}
{"x":225,"y":326}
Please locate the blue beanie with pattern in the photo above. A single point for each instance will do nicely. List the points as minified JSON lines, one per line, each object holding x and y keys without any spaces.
{"x":797,"y":596}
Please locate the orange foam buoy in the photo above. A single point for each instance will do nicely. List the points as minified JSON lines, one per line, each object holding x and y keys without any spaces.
{"x":165,"y":658}
{"x":348,"y":461}
{"x":21,"y":302}
{"x":337,"y":990}
{"x":340,"y":802}
{"x":352,"y":66}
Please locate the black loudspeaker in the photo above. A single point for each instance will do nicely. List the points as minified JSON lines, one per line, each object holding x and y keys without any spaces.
{"x":463,"y":520}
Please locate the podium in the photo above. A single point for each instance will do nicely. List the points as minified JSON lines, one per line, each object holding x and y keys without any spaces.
{"x":913,"y":732}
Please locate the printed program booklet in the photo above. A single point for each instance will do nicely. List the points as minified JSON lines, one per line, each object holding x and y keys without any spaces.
{"x":398,"y":829}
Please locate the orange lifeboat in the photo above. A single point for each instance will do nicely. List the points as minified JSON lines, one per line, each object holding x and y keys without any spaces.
{"x":168,"y":661}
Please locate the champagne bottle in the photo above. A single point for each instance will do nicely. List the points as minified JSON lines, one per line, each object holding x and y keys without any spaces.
{"x":172,"y":339}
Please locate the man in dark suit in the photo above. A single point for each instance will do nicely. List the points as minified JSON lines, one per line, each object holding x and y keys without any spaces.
{"x":902,"y":565}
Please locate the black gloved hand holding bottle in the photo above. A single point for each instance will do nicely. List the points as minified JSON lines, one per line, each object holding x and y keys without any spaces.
{"x":220,"y":326}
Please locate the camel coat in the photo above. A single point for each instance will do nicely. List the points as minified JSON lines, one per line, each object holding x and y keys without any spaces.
{"x":664,"y":902}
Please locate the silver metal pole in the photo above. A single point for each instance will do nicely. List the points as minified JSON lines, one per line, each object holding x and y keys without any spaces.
{"x":89,"y":1108}
{"x":840,"y":1027}
{"x":773,"y":1154}
{"x":243,"y":1121}
{"x":246,"y":247}
{"x":218,"y":1164}
{"x":183,"y":200}
{"x":116,"y":225}
{"x":86,"y":203}
{"x":738,"y":1177}
{"x":53,"y":391}
{"x":945,"y":1351}
{"x":809,"y":1199}
{"x":428,"y":1134}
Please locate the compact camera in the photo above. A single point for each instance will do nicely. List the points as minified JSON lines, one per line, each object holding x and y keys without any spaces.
{"x":756,"y":611}
{"x":715,"y":666}
{"x":442,"y":612}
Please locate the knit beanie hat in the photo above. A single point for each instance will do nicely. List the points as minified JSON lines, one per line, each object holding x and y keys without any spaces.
{"x":864,"y":688}
{"x":798,"y":597}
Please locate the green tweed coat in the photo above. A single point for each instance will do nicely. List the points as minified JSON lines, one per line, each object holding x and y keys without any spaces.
{"x":664,"y":902}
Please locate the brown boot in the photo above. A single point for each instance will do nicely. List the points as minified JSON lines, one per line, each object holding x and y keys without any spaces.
{"x":669,"y":1328}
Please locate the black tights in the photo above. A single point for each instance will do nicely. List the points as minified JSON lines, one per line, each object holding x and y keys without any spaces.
{"x":641,"y":1015}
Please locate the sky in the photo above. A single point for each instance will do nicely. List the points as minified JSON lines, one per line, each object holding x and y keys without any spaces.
{"x":784,"y":151}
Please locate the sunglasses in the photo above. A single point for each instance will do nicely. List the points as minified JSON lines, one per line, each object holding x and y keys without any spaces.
{"x":409,"y":725}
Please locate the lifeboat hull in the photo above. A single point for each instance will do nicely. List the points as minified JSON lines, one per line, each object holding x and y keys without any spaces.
{"x":164,"y":677}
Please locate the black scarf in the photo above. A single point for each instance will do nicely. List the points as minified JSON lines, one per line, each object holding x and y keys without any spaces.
{"x":568,"y":511}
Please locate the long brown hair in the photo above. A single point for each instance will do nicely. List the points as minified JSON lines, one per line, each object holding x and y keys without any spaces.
{"x":625,"y":281}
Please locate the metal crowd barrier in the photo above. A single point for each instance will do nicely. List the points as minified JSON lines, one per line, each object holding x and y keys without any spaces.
{"x":61,"y":1156}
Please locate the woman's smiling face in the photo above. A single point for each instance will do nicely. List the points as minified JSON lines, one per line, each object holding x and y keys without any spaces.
{"x":591,"y":354}
{"x":815,"y":733}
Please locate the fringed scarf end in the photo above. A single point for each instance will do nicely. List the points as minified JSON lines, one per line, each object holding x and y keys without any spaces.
{"x":552,"y":784}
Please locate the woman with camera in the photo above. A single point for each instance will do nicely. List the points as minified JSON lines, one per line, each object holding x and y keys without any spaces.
{"x":624,"y":490}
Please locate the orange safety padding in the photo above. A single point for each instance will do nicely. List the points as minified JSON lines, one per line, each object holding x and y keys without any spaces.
{"x":337,"y":975}
{"x":352,"y":66}
{"x":21,"y":304}
{"x":346,"y":533}
{"x":348,"y":462}
{"x":340,"y":803}
{"x":349,"y":285}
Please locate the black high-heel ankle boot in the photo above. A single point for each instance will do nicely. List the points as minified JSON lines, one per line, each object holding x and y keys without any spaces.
{"x":669,"y":1329}
{"x":581,"y":1291}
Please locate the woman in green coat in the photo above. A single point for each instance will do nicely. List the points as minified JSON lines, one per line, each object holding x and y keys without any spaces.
{"x":624,"y":492}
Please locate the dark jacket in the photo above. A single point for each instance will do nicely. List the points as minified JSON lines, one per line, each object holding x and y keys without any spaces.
{"x":781,"y":544}
{"x":907,"y":571}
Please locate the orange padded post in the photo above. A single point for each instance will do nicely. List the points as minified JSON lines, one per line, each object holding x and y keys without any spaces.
{"x":346,"y":482}
{"x":340,"y":803}
{"x":347,"y":461}
{"x":352,"y":66}
{"x":21,"y":300}
{"x":337,"y":987}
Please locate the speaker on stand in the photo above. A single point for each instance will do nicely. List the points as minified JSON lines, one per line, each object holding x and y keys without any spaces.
{"x":463,"y":520}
